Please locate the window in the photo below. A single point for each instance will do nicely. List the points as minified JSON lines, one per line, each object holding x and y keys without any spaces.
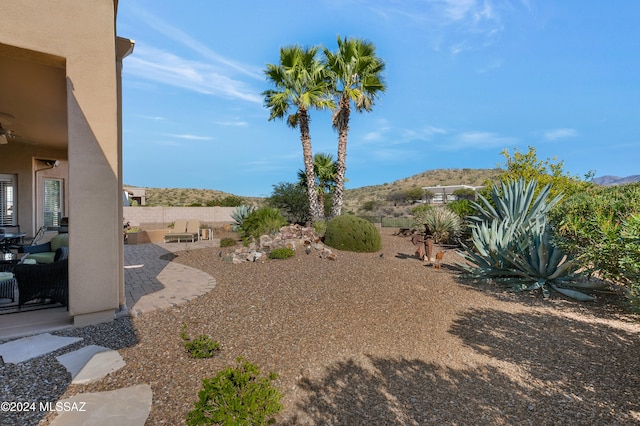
{"x":8,"y":216}
{"x":52,"y":202}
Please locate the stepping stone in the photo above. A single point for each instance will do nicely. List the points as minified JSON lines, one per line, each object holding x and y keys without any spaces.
{"x":128,"y":406}
{"x":91,"y":363}
{"x":21,"y":350}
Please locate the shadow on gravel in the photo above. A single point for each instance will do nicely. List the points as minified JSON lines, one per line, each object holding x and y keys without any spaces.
{"x":568,"y":372}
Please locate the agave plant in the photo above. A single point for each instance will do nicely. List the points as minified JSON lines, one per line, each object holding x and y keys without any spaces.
{"x":512,"y":243}
{"x":513,"y":201}
{"x":443,"y":224}
{"x":240,"y":214}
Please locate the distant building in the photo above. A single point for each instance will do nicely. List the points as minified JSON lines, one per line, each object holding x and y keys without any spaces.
{"x":444,"y":193}
{"x":139,"y":195}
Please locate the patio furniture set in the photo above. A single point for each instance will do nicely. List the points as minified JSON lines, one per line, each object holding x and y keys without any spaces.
{"x":184,"y":230}
{"x":39,"y":272}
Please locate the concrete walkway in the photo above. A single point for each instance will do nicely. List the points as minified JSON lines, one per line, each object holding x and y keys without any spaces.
{"x":152,"y":282}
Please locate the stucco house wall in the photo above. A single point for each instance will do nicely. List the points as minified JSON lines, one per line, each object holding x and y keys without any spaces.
{"x":79,"y":37}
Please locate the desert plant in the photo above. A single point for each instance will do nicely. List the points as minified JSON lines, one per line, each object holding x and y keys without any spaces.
{"x":465,"y":194}
{"x":262,"y":221}
{"x":227,"y":242}
{"x":352,"y":233}
{"x":421,"y":208}
{"x":550,"y":172}
{"x":240,"y":214}
{"x":292,"y":200}
{"x":200,"y":347}
{"x":237,"y":396}
{"x":601,"y":228}
{"x":443,"y":224}
{"x":512,"y":243}
{"x":320,"y":227}
{"x":282,"y":253}
{"x":462,"y":208}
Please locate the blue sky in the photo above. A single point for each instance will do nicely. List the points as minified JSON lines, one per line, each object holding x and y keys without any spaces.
{"x":465,"y":79}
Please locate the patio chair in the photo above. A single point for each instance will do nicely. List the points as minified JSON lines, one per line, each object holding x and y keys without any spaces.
{"x":183,"y":230}
{"x":43,"y":281}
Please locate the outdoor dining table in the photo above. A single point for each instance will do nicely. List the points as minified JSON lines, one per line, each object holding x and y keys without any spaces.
{"x":6,"y":240}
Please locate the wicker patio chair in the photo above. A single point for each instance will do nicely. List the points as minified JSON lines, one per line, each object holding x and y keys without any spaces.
{"x":43,"y":281}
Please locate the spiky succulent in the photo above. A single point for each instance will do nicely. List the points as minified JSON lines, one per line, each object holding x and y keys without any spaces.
{"x":443,"y":224}
{"x":240,"y":214}
{"x":512,"y":243}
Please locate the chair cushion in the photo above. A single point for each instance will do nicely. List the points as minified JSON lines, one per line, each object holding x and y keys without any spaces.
{"x":45,"y":257}
{"x":60,"y":240}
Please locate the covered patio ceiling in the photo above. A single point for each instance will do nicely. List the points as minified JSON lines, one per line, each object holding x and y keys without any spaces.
{"x":33,"y":98}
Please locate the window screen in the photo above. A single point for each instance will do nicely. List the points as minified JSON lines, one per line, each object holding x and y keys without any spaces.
{"x":52,"y":202}
{"x":8,"y":216}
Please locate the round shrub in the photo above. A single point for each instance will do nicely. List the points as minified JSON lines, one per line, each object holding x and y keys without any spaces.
{"x":227,"y":242}
{"x":239,"y":395}
{"x":281,"y":253}
{"x":352,"y":233}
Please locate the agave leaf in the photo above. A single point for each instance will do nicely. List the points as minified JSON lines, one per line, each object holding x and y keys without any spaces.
{"x":573,"y":294}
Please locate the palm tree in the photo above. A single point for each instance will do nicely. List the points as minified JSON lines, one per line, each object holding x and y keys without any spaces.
{"x":301,"y":83}
{"x":356,"y":74}
{"x":324,"y":169}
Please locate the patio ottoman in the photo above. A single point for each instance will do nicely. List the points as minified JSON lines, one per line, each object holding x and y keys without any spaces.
{"x":7,"y":285}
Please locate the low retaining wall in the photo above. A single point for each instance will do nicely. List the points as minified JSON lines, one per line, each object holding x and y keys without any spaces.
{"x":160,"y":217}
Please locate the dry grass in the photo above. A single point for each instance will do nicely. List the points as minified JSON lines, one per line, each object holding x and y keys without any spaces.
{"x":370,"y":340}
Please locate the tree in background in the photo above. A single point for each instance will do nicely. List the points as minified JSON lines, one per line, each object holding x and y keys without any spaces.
{"x":547,"y":172}
{"x":324,"y":169}
{"x":356,"y":75}
{"x":292,"y":201}
{"x":414,"y":194}
{"x":301,"y":83}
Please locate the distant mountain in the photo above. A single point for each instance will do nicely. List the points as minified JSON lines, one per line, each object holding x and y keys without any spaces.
{"x":615,"y":180}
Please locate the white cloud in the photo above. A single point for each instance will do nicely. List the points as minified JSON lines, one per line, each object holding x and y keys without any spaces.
{"x":186,"y":40}
{"x":237,"y":123}
{"x":166,"y":68}
{"x":193,"y":137}
{"x":556,"y":134}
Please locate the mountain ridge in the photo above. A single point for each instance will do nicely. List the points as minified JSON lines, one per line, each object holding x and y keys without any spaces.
{"x":609,"y":180}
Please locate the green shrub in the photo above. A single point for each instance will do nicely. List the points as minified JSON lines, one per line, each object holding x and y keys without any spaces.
{"x":282,"y":253}
{"x":201,"y":347}
{"x":240,"y":214}
{"x":320,"y":226}
{"x":228,"y":201}
{"x":462,"y":208}
{"x":237,"y":396}
{"x":227,"y":242}
{"x":292,"y":200}
{"x":369,"y":205}
{"x":265,"y":220}
{"x":352,"y":233}
{"x":601,"y":227}
{"x":421,"y":208}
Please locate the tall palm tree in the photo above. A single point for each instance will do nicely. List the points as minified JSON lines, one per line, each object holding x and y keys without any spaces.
{"x":301,"y":83}
{"x":356,"y":74}
{"x":324,"y":169}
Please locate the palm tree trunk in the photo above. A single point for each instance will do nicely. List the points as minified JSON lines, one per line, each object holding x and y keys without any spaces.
{"x":305,"y":138}
{"x":342,"y":124}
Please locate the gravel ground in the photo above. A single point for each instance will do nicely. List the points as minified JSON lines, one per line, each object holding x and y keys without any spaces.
{"x":374,"y":340}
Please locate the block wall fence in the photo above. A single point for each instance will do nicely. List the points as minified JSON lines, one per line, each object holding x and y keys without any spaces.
{"x":160,"y":217}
